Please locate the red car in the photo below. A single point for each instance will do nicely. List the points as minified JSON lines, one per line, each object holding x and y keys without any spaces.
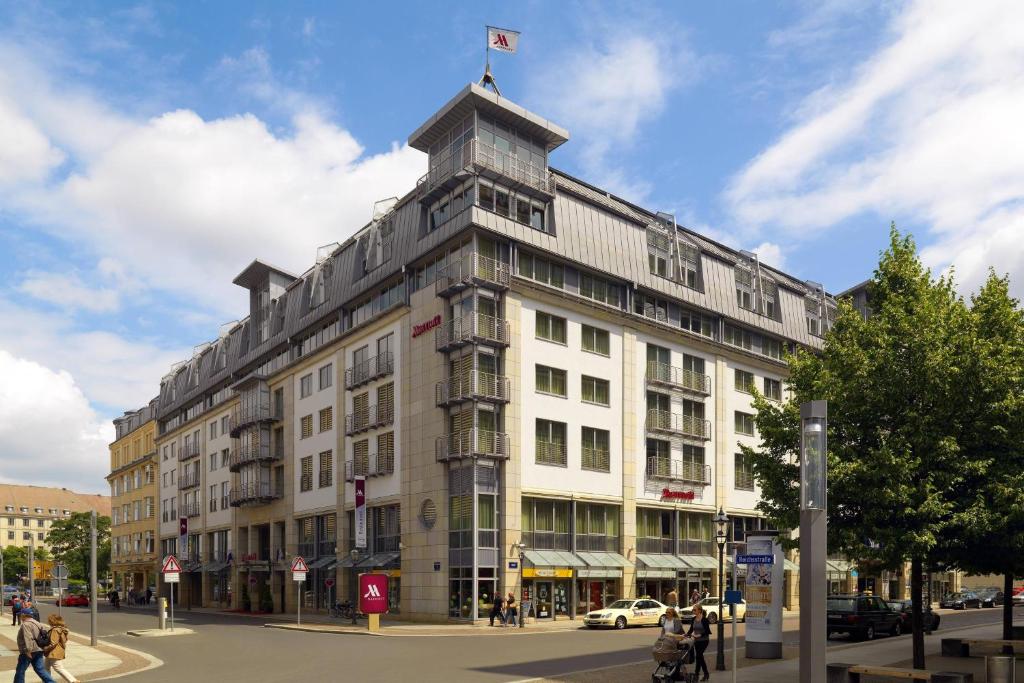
{"x":75,"y":600}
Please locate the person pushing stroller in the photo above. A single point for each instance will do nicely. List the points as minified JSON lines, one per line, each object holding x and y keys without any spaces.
{"x":670,"y":651}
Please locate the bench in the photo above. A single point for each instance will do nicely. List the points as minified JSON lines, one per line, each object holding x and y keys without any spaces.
{"x":960,"y":647}
{"x":851,"y":673}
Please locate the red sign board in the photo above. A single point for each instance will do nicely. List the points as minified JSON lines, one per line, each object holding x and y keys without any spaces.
{"x":667,"y":494}
{"x":417,"y":330}
{"x":171,"y":565}
{"x":329,"y":583}
{"x":373,"y":593}
{"x":299,"y":565}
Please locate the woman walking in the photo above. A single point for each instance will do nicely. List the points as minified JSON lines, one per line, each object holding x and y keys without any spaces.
{"x":700,"y":629}
{"x":58,"y":648}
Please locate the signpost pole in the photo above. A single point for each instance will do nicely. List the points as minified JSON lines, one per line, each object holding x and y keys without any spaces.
{"x":3,"y":598}
{"x":298,"y":603}
{"x":172,"y":606}
{"x":732,"y":608}
{"x":92,"y":579}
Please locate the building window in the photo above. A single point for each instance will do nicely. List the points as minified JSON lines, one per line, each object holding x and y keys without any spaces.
{"x":541,"y":270}
{"x":594,"y":451}
{"x":551,"y":443}
{"x":223,"y":428}
{"x":225,"y":456}
{"x":551,"y":381}
{"x":386,"y":402}
{"x":26,"y":535}
{"x":744,"y":287}
{"x":361,"y":458}
{"x":307,"y":427}
{"x":595,"y":340}
{"x":213,"y":429}
{"x":306,"y":480}
{"x":386,"y":453}
{"x":326,"y":376}
{"x":550,"y":327}
{"x":599,"y":289}
{"x":744,"y":381}
{"x":224,"y":495}
{"x":213,"y":498}
{"x":595,"y":390}
{"x":326,"y":418}
{"x":326,"y":468}
{"x":10,"y":535}
{"x":772,"y":389}
{"x":744,"y":473}
{"x":744,"y":423}
{"x":40,"y":536}
{"x":306,"y":386}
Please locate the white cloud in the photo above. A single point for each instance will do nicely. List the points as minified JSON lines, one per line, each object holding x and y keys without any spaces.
{"x":50,"y":434}
{"x":69,"y":291}
{"x":25,"y":152}
{"x":926,"y":131}
{"x":771,"y":254}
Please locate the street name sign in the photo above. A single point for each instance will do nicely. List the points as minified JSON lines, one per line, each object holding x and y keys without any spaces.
{"x":755,"y":559}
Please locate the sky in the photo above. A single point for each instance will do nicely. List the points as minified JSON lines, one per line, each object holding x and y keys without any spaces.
{"x":150,"y":151}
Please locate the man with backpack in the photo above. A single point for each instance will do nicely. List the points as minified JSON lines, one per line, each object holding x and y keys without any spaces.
{"x":15,"y":608}
{"x":33,"y":637}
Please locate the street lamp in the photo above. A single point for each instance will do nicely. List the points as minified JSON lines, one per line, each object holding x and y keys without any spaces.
{"x":522,"y":558}
{"x":721,"y":524}
{"x":813,"y":539}
{"x":354,"y":553}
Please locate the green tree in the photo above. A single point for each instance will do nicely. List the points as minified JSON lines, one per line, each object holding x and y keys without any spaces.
{"x":15,"y":563}
{"x":894,"y":383}
{"x":70,"y":542}
{"x":989,"y":533}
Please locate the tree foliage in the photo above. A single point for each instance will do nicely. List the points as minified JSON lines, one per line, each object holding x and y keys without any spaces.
{"x":15,"y":563}
{"x":69,"y":542}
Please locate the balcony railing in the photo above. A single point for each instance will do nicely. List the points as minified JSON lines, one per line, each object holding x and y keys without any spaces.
{"x":245,"y":454}
{"x":370,"y":369}
{"x":690,"y":547}
{"x":307,"y":550}
{"x":662,"y":421}
{"x":486,"y":159}
{"x":597,"y":543}
{"x":546,"y":540}
{"x":243,"y":416}
{"x":473,"y":328}
{"x":655,"y":545}
{"x":188,"y":451}
{"x":472,"y":443}
{"x":374,"y":465}
{"x":473,"y":269}
{"x":472,"y":386}
{"x":745,"y":480}
{"x":254,"y":493}
{"x":375,"y":416}
{"x":664,"y":374}
{"x":595,"y":459}
{"x":193,"y":509}
{"x":678,"y":470}
{"x":550,"y":453}
{"x":188,"y":480}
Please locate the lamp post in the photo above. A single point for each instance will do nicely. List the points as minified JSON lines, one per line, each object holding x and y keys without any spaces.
{"x":721,"y":523}
{"x":354,"y":553}
{"x":813,"y":539}
{"x":522,"y":557}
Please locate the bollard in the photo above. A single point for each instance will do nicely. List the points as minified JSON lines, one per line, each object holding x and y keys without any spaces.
{"x":161,"y":612}
{"x":999,"y":668}
{"x":952,"y":677}
{"x":837,"y":673}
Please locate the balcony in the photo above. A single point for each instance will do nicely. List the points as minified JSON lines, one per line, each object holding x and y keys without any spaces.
{"x":370,"y":369}
{"x":188,"y":480}
{"x":243,"y":416}
{"x":188,"y":451}
{"x":254,"y":493}
{"x":472,"y":443}
{"x":374,"y":465}
{"x":245,"y":454}
{"x":190,"y":509}
{"x":472,"y":386}
{"x":451,"y":167}
{"x":679,"y":470}
{"x":375,"y":416}
{"x":473,"y":270}
{"x":473,"y":328}
{"x":664,"y":422}
{"x":662,"y":374}
{"x":550,"y":453}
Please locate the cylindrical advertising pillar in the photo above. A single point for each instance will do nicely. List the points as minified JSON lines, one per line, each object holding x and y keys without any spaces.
{"x":763,"y":594}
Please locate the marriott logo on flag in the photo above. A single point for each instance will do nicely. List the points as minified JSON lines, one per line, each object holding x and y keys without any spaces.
{"x":500,"y":39}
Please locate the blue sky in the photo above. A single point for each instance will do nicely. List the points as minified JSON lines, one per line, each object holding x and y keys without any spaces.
{"x":149,"y":151}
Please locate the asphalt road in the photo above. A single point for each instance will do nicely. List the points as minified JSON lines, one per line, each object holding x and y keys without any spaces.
{"x":228,"y":648}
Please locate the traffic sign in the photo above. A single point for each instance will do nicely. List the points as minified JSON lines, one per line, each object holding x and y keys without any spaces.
{"x":171,"y":565}
{"x":252,"y":581}
{"x":172,"y":577}
{"x":329,"y":583}
{"x":733,"y":597}
{"x":299,"y":565}
{"x":298,"y":576}
{"x":60,"y":571}
{"x":755,"y":559}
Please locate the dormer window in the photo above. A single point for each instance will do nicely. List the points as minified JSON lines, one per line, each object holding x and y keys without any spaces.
{"x":770,"y":294}
{"x":744,"y":287}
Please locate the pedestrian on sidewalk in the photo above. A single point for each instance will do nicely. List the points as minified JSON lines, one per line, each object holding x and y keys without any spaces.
{"x":672,"y":599}
{"x":15,"y":608}
{"x":30,"y":653}
{"x":498,"y":609}
{"x":694,"y":597}
{"x":58,"y":648}
{"x":149,"y":595}
{"x":510,"y":610}
{"x":700,"y":630}
{"x":115,"y":599}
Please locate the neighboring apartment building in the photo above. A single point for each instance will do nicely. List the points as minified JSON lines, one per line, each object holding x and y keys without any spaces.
{"x":542,"y":386}
{"x":30,"y":511}
{"x":133,"y":491}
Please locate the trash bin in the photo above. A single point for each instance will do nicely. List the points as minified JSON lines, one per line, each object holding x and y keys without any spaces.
{"x":999,"y":669}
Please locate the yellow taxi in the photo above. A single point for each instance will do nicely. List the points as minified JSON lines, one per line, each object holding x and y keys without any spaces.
{"x":623,"y":613}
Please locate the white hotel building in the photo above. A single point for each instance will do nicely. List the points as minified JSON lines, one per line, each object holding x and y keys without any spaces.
{"x":543,"y":384}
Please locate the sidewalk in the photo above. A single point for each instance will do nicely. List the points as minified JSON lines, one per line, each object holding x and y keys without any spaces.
{"x":87,"y":663}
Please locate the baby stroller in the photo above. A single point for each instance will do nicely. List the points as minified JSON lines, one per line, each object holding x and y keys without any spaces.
{"x":671,"y":655}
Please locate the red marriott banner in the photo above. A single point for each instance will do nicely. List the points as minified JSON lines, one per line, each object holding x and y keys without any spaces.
{"x":417,"y":330}
{"x":667,"y":494}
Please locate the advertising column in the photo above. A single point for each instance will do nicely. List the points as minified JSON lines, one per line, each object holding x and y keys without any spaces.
{"x":763,"y":595}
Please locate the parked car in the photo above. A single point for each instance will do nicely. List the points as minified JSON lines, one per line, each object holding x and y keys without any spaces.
{"x":1018,"y":595}
{"x":960,"y":600}
{"x":862,"y":616}
{"x":711,"y":608}
{"x":623,"y":613}
{"x":991,"y":597}
{"x":75,"y":600}
{"x":905,"y":609}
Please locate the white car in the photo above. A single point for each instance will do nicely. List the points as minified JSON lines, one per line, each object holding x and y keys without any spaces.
{"x":623,"y":613}
{"x":711,"y":608}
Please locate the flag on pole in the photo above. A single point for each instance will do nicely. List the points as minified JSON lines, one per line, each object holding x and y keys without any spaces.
{"x":502,"y":39}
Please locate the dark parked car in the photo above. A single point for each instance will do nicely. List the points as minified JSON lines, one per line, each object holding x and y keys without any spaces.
{"x":904,"y":608}
{"x":990,"y":597}
{"x":862,"y":616}
{"x":961,"y":600}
